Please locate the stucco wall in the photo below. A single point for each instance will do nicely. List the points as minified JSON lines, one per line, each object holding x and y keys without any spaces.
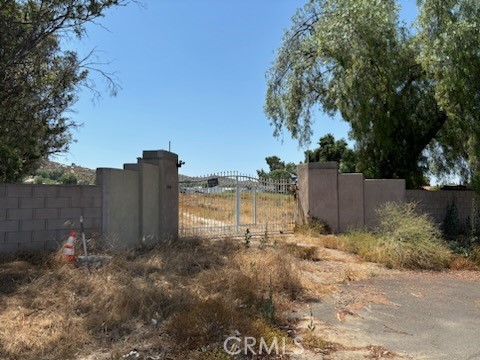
{"x":378,"y":192}
{"x":351,"y":201}
{"x":435,"y":203}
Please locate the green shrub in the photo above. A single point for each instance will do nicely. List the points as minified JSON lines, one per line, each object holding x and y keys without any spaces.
{"x":473,"y":224}
{"x":451,"y":223}
{"x":49,"y":176}
{"x":68,"y":179}
{"x":404,"y":238}
{"x":409,"y":239}
{"x":39,"y":180}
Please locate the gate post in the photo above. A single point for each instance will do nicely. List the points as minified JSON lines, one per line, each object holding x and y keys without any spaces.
{"x":318,"y":192}
{"x":167,"y":163}
{"x":254,"y":194}
{"x":237,"y":204}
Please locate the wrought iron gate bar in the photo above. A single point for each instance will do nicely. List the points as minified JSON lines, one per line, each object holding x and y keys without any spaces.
{"x":229,"y":203}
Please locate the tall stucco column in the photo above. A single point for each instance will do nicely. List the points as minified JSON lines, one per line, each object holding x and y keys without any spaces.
{"x":167,"y":191}
{"x":140,"y":202}
{"x":318,"y":192}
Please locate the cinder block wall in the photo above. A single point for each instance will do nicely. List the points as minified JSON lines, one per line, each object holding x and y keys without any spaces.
{"x":32,"y":217}
{"x":435,"y":203}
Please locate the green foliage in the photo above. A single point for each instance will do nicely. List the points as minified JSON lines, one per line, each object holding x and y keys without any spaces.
{"x":449,"y":55}
{"x":264,"y":239}
{"x":331,"y":150}
{"x":54,"y":174}
{"x":409,"y":239}
{"x":275,"y":163}
{"x":268,"y":308}
{"x":279,"y":170}
{"x":39,"y":80}
{"x":68,"y":179}
{"x":451,"y":223}
{"x":410,"y":97}
{"x":49,"y":176}
{"x":404,"y":238}
{"x":473,"y":224}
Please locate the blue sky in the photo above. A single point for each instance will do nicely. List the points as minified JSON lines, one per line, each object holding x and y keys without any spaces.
{"x":192,"y":72}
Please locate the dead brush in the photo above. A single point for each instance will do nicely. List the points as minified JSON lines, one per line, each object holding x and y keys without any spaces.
{"x":204,"y":322}
{"x":313,"y":227}
{"x":248,"y":277}
{"x":207,"y":323}
{"x":462,"y":263}
{"x":63,"y":308}
{"x":190,"y":256}
{"x":271,"y":266}
{"x":198,"y":290}
{"x":301,"y":252}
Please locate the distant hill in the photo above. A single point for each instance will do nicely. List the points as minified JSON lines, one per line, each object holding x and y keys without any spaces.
{"x":51,"y":172}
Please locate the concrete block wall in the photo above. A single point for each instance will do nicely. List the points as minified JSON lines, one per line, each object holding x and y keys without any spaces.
{"x":32,"y":217}
{"x":435,"y":203}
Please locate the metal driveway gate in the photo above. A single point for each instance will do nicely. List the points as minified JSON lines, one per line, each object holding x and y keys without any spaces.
{"x":228,"y":204}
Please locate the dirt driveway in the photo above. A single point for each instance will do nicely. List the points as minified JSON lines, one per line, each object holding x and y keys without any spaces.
{"x":393,"y":314}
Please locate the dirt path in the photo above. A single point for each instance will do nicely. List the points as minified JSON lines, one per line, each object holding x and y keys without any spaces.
{"x":371,"y":312}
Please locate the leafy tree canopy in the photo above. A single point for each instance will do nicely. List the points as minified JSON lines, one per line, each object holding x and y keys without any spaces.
{"x":410,"y":97}
{"x":39,"y":80}
{"x":333,"y":150}
{"x":278,"y":169}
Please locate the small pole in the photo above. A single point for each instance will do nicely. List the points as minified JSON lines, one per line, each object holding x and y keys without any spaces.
{"x":255,"y":206}
{"x":169,"y":145}
{"x":84,"y":242}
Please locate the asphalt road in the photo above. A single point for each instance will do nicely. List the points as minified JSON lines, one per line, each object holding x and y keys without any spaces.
{"x":421,"y":316}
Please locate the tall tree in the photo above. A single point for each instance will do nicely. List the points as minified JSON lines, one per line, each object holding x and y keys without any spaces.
{"x":39,"y":80}
{"x":403,"y":93}
{"x":330,"y":149}
{"x":278,"y":169}
{"x":275,"y":163}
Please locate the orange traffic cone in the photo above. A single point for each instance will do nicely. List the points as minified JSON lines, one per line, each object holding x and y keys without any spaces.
{"x":69,"y":250}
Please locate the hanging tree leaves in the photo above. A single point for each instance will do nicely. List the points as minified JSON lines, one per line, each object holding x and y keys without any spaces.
{"x":411,"y":98}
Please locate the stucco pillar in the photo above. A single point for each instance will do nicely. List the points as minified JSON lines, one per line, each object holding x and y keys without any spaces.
{"x":318,"y":192}
{"x":167,"y":191}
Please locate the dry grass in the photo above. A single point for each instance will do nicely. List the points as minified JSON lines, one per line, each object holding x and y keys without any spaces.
{"x":404,"y":239}
{"x":302,"y":252}
{"x":393,"y":253}
{"x":470,"y":262}
{"x":218,"y":210}
{"x":313,"y":227}
{"x":195,"y":292}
